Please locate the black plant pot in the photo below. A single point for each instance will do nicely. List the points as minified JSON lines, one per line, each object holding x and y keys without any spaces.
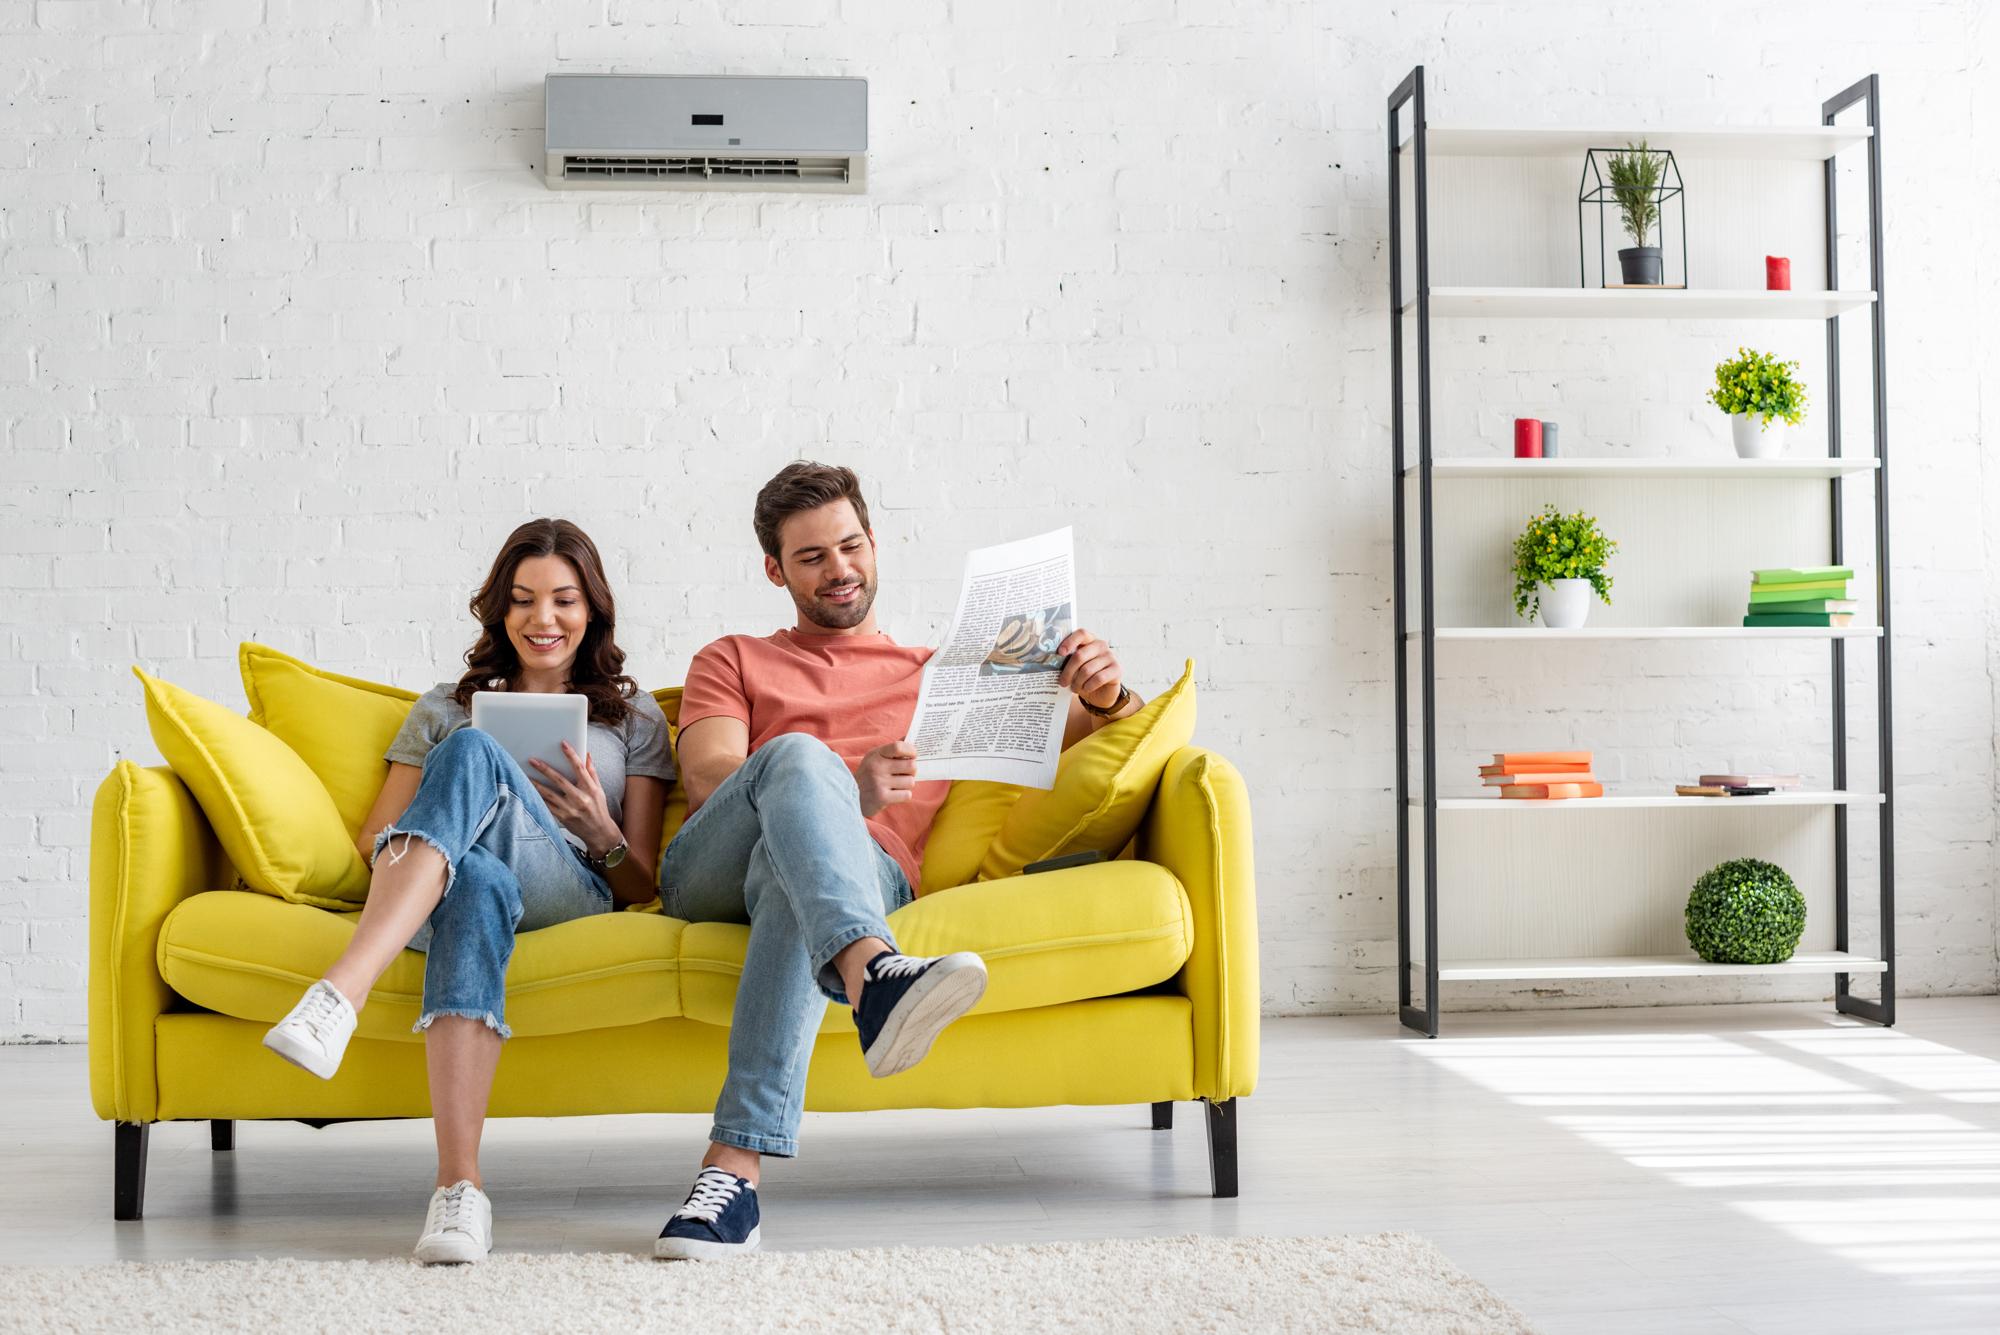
{"x":1640,"y":265}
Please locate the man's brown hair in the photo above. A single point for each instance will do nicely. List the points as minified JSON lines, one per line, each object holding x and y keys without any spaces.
{"x":799,"y":487}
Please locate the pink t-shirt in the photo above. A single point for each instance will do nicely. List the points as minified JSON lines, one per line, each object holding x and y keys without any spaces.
{"x":853,"y":692}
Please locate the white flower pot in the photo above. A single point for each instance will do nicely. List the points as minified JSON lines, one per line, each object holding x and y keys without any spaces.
{"x":1755,"y":439}
{"x":1565,"y":603}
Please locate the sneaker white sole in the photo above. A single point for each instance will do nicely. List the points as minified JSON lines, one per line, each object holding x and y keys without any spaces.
{"x":695,"y":1249}
{"x":301,"y":1055}
{"x":952,"y":987}
{"x":450,"y":1249}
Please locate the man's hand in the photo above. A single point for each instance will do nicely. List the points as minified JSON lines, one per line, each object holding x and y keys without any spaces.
{"x":887,"y":775}
{"x":1092,"y":670}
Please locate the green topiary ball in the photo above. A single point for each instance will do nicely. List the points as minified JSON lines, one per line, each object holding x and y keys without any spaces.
{"x":1745,"y":912}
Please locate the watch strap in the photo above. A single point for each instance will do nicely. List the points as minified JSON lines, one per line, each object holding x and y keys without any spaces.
{"x":1124,"y":698}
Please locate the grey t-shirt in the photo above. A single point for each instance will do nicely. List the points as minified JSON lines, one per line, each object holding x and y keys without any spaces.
{"x":636,"y":746}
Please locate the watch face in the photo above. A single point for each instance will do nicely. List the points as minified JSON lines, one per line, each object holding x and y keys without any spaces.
{"x":614,"y":857}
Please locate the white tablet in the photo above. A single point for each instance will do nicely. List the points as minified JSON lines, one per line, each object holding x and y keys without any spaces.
{"x":533,"y":726}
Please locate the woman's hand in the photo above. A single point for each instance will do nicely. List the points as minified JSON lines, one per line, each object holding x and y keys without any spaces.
{"x":580,"y":805}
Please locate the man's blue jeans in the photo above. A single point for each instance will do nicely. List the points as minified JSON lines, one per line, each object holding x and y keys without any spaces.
{"x":508,"y":870}
{"x":781,"y":845}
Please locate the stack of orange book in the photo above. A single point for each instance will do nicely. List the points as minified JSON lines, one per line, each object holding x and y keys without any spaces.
{"x":1541,"y":775}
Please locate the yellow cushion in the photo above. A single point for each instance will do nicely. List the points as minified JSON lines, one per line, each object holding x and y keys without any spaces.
{"x":340,"y":726}
{"x":962,"y":831}
{"x":1049,"y":938}
{"x":250,"y":956}
{"x":272,"y":816}
{"x":1103,"y":787}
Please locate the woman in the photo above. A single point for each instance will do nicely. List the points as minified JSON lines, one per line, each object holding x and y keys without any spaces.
{"x":479,"y":851}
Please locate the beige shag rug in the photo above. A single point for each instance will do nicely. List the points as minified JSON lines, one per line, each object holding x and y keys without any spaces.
{"x":1384,"y":1282}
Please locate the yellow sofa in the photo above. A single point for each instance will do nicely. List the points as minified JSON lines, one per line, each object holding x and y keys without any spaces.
{"x":1129,"y":981}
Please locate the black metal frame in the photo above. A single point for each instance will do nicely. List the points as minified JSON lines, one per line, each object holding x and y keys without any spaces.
{"x":1424,"y":1018}
{"x":1882,"y":1011}
{"x":1411,"y":91}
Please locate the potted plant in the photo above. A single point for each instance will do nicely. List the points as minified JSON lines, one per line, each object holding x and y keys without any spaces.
{"x":1635,"y":184}
{"x":1558,"y":561}
{"x":1757,"y":390}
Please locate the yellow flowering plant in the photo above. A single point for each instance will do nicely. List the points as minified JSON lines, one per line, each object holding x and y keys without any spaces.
{"x":1757,"y":382}
{"x":1559,"y":546}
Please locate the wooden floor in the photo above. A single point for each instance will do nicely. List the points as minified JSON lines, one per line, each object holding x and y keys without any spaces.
{"x":1765,"y":1168}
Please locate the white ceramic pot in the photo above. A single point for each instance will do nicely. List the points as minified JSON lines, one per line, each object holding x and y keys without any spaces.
{"x":1755,"y":439}
{"x":1565,"y":603}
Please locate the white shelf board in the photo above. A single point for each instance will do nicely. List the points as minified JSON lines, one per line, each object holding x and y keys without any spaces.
{"x":1720,"y":466}
{"x":1808,"y":143}
{"x":1609,"y":303}
{"x":1654,"y":966}
{"x":1614,"y":802}
{"x":1654,"y":633}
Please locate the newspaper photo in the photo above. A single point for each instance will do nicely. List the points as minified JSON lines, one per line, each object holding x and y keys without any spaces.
{"x":989,"y":707}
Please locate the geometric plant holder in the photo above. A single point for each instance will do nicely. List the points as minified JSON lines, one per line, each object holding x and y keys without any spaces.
{"x":1596,"y":189}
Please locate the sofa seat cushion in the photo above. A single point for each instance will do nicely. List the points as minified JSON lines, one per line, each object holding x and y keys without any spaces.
{"x":250,"y":956}
{"x":1050,"y":938}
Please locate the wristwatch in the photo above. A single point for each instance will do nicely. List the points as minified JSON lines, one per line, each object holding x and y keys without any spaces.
{"x":1124,"y":698}
{"x":612,"y":858}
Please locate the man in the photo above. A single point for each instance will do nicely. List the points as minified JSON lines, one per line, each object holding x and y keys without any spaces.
{"x":806,"y":820}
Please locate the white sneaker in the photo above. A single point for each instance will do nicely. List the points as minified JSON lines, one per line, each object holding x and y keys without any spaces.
{"x":459,"y":1227}
{"x":314,"y":1036}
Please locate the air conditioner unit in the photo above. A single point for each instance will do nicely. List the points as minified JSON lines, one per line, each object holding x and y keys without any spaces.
{"x":668,"y":132}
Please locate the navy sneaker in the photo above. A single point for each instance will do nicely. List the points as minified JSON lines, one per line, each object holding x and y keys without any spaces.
{"x":718,"y":1221}
{"x":906,"y":1002}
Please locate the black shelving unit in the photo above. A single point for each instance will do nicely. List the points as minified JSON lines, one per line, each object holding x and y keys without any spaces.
{"x":1407,"y":122}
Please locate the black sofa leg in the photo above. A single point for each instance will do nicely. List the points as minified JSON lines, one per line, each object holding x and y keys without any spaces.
{"x":128,"y":1189}
{"x":1222,"y":1146}
{"x":1163,"y":1116}
{"x":221,"y":1135}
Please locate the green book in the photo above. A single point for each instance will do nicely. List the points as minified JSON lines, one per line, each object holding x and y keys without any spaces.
{"x":1791,"y":593}
{"x":1839,"y":606}
{"x":1801,"y":574}
{"x":1801,"y":619}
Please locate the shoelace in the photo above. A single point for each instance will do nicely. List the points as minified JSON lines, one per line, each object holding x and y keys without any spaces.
{"x":713,"y":1191}
{"x":322,"y":1007}
{"x":452,"y":1212}
{"x":895,"y":966}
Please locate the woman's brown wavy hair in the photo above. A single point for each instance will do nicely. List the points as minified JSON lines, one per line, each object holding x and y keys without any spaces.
{"x":598,"y":671}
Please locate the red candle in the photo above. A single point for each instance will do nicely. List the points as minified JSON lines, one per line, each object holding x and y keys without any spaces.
{"x":1527,"y":438}
{"x":1777,"y":273}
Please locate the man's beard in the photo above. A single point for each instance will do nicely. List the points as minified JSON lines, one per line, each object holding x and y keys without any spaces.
{"x":840,"y":616}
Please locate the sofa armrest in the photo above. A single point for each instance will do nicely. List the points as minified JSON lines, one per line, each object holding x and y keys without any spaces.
{"x":150,"y":848}
{"x":1199,"y":829}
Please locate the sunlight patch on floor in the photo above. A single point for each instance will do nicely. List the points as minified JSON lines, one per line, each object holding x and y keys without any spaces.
{"x":1905,"y":1193}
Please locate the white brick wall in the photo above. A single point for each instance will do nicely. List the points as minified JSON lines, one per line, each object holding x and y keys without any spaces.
{"x":294,"y":334}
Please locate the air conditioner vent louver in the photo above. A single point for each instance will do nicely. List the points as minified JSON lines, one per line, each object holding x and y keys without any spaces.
{"x":602,"y":167}
{"x":736,"y":133}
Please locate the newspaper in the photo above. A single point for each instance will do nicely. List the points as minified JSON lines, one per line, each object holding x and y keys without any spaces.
{"x":989,"y":707}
